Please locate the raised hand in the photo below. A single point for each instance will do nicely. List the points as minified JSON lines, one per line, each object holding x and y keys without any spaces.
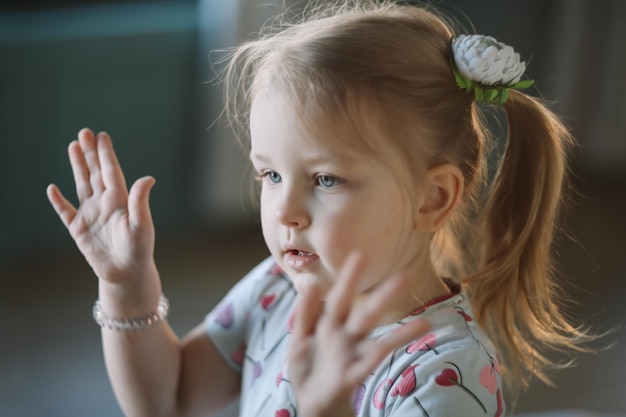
{"x":111,"y":227}
{"x":330,"y":353}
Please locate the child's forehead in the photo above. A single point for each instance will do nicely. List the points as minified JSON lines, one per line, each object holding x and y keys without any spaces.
{"x":315,"y":142}
{"x":320,"y":123}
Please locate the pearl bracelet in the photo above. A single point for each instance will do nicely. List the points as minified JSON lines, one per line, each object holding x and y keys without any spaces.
{"x":132,"y":324}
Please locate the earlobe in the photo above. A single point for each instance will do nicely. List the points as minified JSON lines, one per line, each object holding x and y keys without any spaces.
{"x":442,"y":191}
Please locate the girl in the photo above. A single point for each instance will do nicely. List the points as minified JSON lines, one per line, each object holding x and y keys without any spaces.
{"x":400,"y":282}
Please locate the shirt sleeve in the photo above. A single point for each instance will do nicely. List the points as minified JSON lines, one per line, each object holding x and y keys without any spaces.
{"x":228,"y":323}
{"x":462,"y":382}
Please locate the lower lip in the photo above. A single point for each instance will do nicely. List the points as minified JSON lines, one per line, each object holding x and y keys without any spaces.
{"x":297,"y":261}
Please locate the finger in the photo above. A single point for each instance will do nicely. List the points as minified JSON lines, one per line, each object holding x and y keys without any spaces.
{"x":306,"y":317}
{"x":406,"y":333}
{"x":65,"y":210}
{"x":112,"y":175}
{"x":399,"y":337}
{"x":341,"y":295}
{"x":308,"y":311}
{"x":305,"y":322}
{"x":374,"y":353}
{"x":139,"y":214}
{"x":80,"y":171}
{"x":88,"y":144}
{"x":367,"y":314}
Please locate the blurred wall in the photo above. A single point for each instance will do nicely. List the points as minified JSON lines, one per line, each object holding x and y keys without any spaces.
{"x":128,"y":69}
{"x":588,"y":57}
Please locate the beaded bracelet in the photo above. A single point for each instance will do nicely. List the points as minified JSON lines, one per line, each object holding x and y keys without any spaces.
{"x":132,"y":324}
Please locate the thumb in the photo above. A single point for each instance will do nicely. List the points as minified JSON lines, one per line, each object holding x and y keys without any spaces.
{"x":139,"y":215}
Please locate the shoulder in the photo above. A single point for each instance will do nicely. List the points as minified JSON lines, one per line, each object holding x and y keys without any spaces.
{"x":265,"y":278}
{"x":453,"y":328}
{"x":260,"y":288}
{"x":451,"y":370}
{"x":257,"y":303}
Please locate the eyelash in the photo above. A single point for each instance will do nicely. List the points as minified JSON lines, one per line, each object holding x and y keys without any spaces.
{"x":319,"y":179}
{"x":335,"y":181}
{"x":266,"y":175}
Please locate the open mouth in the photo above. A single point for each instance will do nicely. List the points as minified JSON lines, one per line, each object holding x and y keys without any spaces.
{"x":301,"y":253}
{"x":298,"y":259}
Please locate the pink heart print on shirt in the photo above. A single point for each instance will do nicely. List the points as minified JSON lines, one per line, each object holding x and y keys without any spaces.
{"x":447,"y":377}
{"x":488,"y":378}
{"x":258,"y":369}
{"x":239,"y":355}
{"x":276,"y":270}
{"x":267,"y":300}
{"x":425,"y":343}
{"x":282,"y":413}
{"x":225,"y":317}
{"x":279,"y":378}
{"x":500,"y":409}
{"x":381,"y":393}
{"x":407,"y":383}
{"x":357,"y":398}
{"x":465,"y":316}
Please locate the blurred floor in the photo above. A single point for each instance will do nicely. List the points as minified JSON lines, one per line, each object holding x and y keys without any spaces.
{"x":51,"y":363}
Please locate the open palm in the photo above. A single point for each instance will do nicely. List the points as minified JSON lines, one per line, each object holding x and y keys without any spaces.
{"x":112,"y":227}
{"x":330,"y":351}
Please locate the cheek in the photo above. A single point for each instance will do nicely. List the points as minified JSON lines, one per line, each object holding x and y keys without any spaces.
{"x":268,"y":221}
{"x":266,"y":206}
{"x":384,"y":234}
{"x":335,"y":234}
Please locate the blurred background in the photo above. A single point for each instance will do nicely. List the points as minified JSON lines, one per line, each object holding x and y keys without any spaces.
{"x":140,"y":70}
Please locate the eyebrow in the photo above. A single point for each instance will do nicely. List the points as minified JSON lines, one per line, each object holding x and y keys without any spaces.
{"x":258,"y":157}
{"x":313,"y":159}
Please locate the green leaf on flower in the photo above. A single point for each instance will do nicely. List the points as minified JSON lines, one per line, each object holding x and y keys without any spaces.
{"x":479,"y":94}
{"x":461,"y":81}
{"x":485,"y":94}
{"x":503,"y":95}
{"x":523,"y":84}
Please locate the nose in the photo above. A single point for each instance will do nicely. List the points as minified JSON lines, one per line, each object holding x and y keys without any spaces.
{"x":291,"y":210}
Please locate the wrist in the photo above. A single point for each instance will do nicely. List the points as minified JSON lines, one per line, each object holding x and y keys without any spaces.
{"x":134,"y":297}
{"x":132,"y":323}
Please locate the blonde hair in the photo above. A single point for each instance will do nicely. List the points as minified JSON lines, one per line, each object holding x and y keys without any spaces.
{"x":397,"y":59}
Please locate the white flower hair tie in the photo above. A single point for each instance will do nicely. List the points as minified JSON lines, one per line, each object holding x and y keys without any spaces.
{"x":487,"y":67}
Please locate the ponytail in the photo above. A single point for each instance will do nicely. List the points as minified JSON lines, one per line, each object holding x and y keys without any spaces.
{"x":514,"y":293}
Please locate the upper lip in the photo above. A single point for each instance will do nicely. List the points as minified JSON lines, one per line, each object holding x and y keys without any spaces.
{"x":293,"y":248}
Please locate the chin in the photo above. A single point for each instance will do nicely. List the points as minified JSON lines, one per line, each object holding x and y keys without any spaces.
{"x":300,"y":280}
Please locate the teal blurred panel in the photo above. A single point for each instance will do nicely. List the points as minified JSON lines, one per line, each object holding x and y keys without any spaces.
{"x":132,"y":73}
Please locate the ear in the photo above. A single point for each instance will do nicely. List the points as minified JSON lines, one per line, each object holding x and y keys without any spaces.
{"x":443,"y":188}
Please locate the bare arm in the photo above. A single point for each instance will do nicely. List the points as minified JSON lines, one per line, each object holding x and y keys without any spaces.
{"x":152,"y":372}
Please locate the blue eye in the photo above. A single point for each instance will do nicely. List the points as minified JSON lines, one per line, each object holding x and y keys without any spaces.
{"x":273,"y":177}
{"x":327,"y":181}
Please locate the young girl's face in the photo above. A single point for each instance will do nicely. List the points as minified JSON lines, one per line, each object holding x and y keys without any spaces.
{"x":322,"y":200}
